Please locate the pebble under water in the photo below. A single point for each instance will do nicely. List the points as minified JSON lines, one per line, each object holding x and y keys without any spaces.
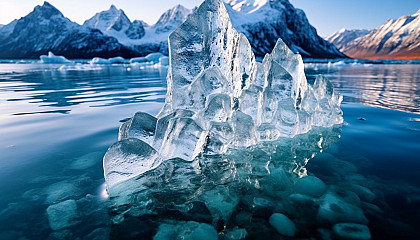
{"x":56,"y":125}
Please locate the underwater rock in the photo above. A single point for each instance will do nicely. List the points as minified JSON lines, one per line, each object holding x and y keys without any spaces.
{"x":283,"y":224}
{"x":98,"y":234}
{"x":311,"y":186}
{"x":186,"y":231}
{"x":63,"y":215}
{"x":235,"y":234}
{"x":352,"y":231}
{"x":86,"y":161}
{"x":333,"y":209}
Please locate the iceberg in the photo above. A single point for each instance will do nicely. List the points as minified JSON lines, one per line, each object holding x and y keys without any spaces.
{"x":231,"y":128}
{"x":51,"y":58}
{"x":154,"y":57}
{"x":138,"y":60}
{"x":114,"y":60}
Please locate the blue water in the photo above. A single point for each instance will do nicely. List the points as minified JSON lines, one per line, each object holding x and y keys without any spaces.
{"x":57,"y":123}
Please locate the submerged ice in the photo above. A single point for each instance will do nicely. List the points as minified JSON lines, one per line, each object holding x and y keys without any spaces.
{"x":233,"y":137}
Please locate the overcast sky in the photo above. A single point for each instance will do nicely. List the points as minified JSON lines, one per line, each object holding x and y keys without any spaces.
{"x":325,"y":15}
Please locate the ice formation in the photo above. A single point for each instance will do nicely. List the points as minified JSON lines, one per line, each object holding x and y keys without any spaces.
{"x":114,"y":60}
{"x":219,"y":97}
{"x":51,"y":58}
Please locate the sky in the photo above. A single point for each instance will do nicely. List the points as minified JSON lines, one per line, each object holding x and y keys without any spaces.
{"x":327,"y":16}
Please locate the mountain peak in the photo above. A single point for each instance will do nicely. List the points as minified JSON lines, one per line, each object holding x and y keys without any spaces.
{"x":176,"y":14}
{"x":113,"y":8}
{"x":47,"y":4}
{"x":111,"y":19}
{"x":46,"y":10}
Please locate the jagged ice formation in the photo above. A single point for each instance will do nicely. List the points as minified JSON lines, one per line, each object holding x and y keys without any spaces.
{"x":219,"y":98}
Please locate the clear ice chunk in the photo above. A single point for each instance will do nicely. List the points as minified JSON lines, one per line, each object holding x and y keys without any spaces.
{"x":128,"y":158}
{"x":141,"y":126}
{"x":219,"y":98}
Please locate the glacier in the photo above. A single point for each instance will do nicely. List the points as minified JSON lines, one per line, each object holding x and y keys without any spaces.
{"x":230,"y":128}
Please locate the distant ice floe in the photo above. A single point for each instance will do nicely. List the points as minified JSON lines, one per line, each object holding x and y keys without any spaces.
{"x":51,"y":58}
{"x":79,"y":67}
{"x":153,"y":60}
{"x":356,"y":62}
{"x":114,"y":60}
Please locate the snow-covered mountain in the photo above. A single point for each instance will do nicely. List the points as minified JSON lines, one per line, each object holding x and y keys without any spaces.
{"x":264,"y":21}
{"x":46,"y":29}
{"x":396,"y":39}
{"x":138,"y":35}
{"x":115,"y":23}
{"x":341,"y":38}
{"x":111,"y":33}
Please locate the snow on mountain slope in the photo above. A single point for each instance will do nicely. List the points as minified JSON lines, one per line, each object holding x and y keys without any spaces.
{"x":342,"y":37}
{"x":138,"y":35}
{"x":111,"y":33}
{"x":166,"y":24}
{"x":115,"y":23}
{"x":396,"y":39}
{"x":264,"y":21}
{"x":46,"y":29}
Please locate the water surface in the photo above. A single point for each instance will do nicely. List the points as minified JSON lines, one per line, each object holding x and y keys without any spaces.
{"x":57,"y":122}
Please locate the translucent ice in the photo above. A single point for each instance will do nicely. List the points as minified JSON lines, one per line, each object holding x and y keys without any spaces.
{"x":220,"y":98}
{"x":127,"y":158}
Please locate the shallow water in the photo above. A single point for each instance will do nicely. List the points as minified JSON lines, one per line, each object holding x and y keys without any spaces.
{"x":56,"y":124}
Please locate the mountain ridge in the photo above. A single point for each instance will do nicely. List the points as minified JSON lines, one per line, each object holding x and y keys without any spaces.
{"x":396,"y":39}
{"x":46,"y":29}
{"x":344,"y":36}
{"x":113,"y":31}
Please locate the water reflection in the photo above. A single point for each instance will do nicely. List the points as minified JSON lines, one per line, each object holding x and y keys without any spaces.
{"x":52,"y":88}
{"x":387,"y":86}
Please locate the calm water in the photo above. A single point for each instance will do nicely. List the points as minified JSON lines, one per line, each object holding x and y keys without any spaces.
{"x":57,"y":122}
